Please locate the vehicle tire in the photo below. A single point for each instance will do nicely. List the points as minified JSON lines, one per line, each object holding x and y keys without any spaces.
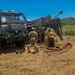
{"x":0,"y":45}
{"x":20,"y":45}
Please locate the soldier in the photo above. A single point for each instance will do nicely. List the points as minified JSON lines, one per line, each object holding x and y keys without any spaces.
{"x":42,"y":34}
{"x":46,"y":36}
{"x":51,"y":38}
{"x":47,"y":30}
{"x":33,"y":36}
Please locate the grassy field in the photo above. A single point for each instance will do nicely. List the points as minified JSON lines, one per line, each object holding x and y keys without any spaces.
{"x":57,"y":63}
{"x":68,"y":30}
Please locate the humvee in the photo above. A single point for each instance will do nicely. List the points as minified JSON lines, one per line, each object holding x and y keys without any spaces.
{"x":12,"y":28}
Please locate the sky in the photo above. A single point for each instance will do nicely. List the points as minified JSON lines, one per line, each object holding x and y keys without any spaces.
{"x":34,"y":9}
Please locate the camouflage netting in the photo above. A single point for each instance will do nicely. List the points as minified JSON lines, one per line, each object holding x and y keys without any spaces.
{"x":40,"y":21}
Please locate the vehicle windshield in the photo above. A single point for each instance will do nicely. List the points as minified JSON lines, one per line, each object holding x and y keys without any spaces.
{"x":13,"y":18}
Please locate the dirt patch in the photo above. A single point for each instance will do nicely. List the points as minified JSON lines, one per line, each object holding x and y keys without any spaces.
{"x":58,"y":63}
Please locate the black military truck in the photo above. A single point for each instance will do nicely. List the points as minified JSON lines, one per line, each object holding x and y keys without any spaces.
{"x":12,"y":28}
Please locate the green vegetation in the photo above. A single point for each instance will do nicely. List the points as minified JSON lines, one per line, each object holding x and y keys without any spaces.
{"x":68,"y":26}
{"x":68,"y":21}
{"x":68,"y":30}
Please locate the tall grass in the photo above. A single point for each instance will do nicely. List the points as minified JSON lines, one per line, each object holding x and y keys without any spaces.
{"x":68,"y":30}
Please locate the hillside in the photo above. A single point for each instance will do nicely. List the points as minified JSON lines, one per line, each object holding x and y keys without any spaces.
{"x":68,"y":21}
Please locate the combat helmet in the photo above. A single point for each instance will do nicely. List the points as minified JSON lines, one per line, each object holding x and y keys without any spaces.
{"x":33,"y":28}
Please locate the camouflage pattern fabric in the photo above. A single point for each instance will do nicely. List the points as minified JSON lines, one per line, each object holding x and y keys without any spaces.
{"x":33,"y":36}
{"x":51,"y":39}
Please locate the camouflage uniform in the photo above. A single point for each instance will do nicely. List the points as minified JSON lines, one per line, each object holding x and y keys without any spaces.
{"x":46,"y":37}
{"x":33,"y":36}
{"x":47,"y":30}
{"x":51,"y":38}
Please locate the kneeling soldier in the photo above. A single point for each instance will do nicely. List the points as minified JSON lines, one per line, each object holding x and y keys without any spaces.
{"x":33,"y":36}
{"x":51,"y":38}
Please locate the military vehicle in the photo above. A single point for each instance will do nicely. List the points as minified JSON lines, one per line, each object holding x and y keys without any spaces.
{"x":12,"y":28}
{"x":42,"y":23}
